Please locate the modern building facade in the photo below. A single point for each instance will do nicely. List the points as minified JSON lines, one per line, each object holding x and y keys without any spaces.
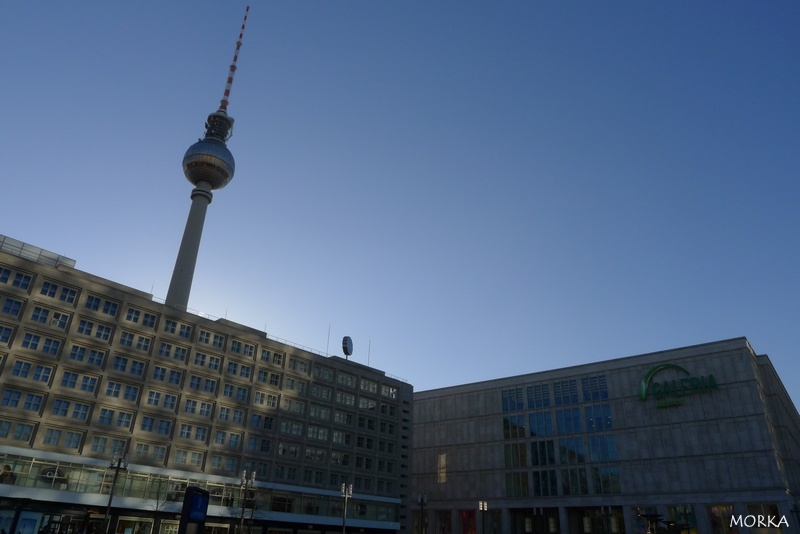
{"x":702,"y":439}
{"x":106,"y":392}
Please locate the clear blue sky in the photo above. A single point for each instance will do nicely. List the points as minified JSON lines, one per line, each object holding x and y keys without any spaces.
{"x":471,"y":189}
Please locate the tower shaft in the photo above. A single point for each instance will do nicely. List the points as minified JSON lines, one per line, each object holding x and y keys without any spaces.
{"x":180,"y":285}
{"x":209,"y":165}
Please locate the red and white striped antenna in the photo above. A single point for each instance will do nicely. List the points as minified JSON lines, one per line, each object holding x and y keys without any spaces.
{"x":223,"y":104}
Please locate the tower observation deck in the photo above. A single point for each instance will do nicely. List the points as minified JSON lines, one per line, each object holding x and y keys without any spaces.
{"x":208,"y":165}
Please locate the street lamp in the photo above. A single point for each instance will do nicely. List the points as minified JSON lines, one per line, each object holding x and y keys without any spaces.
{"x":483,"y":506}
{"x":422,"y":500}
{"x":347,"y":492}
{"x":120,"y":464}
{"x":245,"y":483}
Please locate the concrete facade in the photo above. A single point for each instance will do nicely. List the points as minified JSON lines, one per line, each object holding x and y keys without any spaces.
{"x":92,"y":371}
{"x":684,"y":439}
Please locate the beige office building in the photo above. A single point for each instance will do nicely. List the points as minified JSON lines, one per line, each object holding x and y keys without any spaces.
{"x":107,"y":393}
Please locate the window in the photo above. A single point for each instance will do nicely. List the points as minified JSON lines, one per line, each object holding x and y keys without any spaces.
{"x":99,"y":444}
{"x":120,"y":363}
{"x":543,"y":452}
{"x":185,"y":431}
{"x":69,"y":380}
{"x":180,"y":354}
{"x":88,"y":384}
{"x":170,"y":401}
{"x":224,"y":413}
{"x":31,"y":341}
{"x":106,"y":416}
{"x":538,"y":396}
{"x":153,"y":398}
{"x":49,"y":289}
{"x":164,"y":427}
{"x":110,"y":308}
{"x":214,"y":362}
{"x":131,"y":393}
{"x":206,"y":409}
{"x":137,"y":368}
{"x":568,"y":421}
{"x":93,"y":302}
{"x":68,"y":295}
{"x":201,"y":434}
{"x":205,"y":337}
{"x":77,"y":353}
{"x":541,"y":424}
{"x":175,"y":377}
{"x":126,"y":339}
{"x":185,"y":331}
{"x":344,"y":379}
{"x":165,"y":349}
{"x":606,"y":480}
{"x":22,"y":281}
{"x":80,"y":411}
{"x":96,"y":357}
{"x":21,"y":369}
{"x":602,"y":448}
{"x":59,"y":320}
{"x":190,"y":406}
{"x":200,"y":359}
{"x":85,"y":327}
{"x":170,"y":326}
{"x":512,"y":400}
{"x":219,"y":341}
{"x":51,"y":346}
{"x":133,"y":315}
{"x":147,"y":424}
{"x":60,"y":407}
{"x":159,"y":373}
{"x":143,"y":343}
{"x":124,"y":419}
{"x":52,"y":436}
{"x":23,"y":432}
{"x":42,"y":373}
{"x":598,"y":417}
{"x":113,"y":389}
{"x":72,"y":440}
{"x":300,"y":366}
{"x":32,"y":402}
{"x":40,"y":314}
{"x":103,"y":332}
{"x":544,"y":483}
{"x":149,"y":320}
{"x":236,"y":346}
{"x":595,"y":388}
{"x":12,"y":307}
{"x":5,"y":334}
{"x":566,"y":392}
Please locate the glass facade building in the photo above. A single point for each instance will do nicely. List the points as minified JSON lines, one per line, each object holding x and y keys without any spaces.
{"x":702,"y":439}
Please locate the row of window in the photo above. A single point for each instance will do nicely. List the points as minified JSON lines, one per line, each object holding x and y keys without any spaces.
{"x":572,"y":481}
{"x":132,"y":392}
{"x":601,"y":448}
{"x":104,"y":332}
{"x":592,"y":418}
{"x":562,"y":392}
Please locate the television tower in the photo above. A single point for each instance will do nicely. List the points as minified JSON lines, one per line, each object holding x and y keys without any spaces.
{"x":209,"y":165}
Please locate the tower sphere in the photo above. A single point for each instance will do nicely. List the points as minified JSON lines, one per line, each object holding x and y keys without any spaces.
{"x":209,"y":160}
